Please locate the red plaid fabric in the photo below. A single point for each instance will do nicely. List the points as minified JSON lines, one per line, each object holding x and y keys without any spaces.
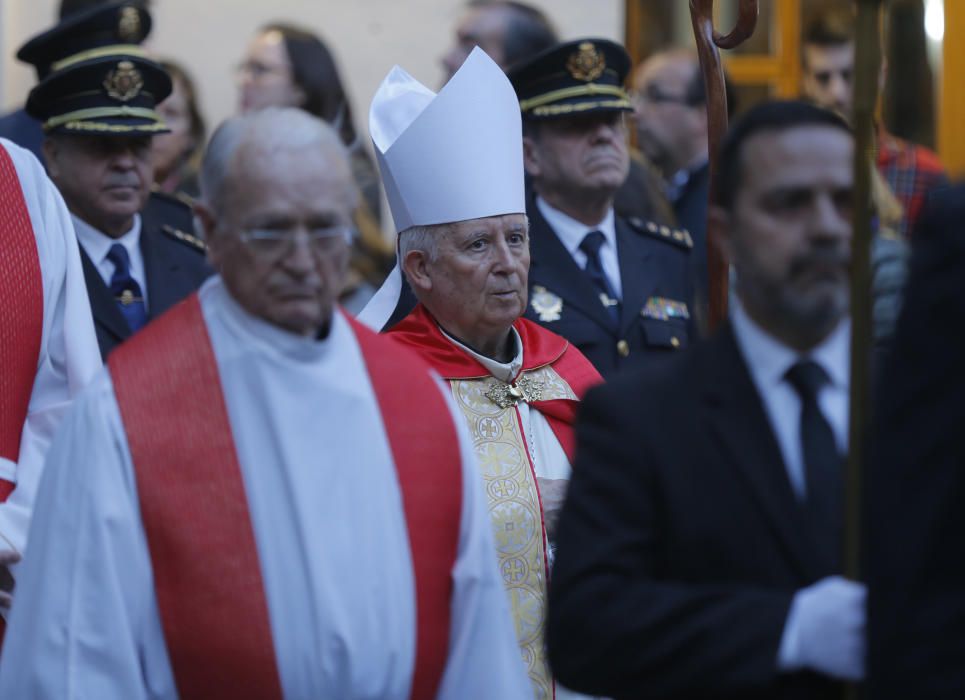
{"x":911,"y":171}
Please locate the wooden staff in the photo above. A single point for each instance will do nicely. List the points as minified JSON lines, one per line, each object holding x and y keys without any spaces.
{"x":709,"y":41}
{"x":866,"y":73}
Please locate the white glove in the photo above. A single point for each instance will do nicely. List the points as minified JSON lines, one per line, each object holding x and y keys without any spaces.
{"x":825,"y":630}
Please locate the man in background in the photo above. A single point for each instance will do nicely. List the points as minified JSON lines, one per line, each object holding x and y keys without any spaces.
{"x":619,"y":289}
{"x":97,"y":107}
{"x":827,"y":61}
{"x":670,"y":113}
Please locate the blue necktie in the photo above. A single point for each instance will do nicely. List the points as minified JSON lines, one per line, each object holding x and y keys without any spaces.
{"x":591,"y":245}
{"x":126,"y":290}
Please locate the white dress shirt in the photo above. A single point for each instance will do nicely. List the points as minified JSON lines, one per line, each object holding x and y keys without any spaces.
{"x":97,"y":244}
{"x":571,"y":233}
{"x":769,"y":360}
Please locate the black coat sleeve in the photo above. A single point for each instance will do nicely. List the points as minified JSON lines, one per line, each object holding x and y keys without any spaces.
{"x":620,"y":625}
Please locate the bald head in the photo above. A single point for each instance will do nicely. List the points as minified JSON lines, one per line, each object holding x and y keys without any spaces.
{"x":242,"y":146}
{"x":277,"y":211}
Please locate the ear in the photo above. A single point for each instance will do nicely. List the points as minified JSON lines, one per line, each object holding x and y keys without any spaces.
{"x":719,"y":231}
{"x":50,"y":155}
{"x":415,"y":265}
{"x":206,"y":225}
{"x":531,"y":157}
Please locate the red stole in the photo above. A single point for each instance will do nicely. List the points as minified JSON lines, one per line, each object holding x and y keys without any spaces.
{"x":22,"y":326}
{"x":203,"y":552}
{"x":541,"y":347}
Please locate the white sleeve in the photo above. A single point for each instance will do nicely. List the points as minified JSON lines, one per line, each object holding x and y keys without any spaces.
{"x":484,"y":656}
{"x":69,"y":355}
{"x":85,"y":622}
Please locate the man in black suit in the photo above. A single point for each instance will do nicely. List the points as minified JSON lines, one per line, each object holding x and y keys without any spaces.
{"x":620,"y":290}
{"x":97,"y":110}
{"x":700,"y":543}
{"x":916,"y":518}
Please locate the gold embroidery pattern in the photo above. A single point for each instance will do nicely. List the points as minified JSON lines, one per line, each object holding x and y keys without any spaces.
{"x":514,"y":507}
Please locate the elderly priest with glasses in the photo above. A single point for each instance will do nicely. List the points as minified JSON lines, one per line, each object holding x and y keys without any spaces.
{"x":260,"y":498}
{"x":459,"y":206}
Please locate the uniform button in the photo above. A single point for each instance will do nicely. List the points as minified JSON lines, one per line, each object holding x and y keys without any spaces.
{"x":623,"y":347}
{"x":675,"y":341}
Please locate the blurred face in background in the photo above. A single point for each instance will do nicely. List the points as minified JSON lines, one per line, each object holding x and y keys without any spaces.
{"x":828,"y":75}
{"x":171,"y":149}
{"x":484,"y":27}
{"x":265,"y":76}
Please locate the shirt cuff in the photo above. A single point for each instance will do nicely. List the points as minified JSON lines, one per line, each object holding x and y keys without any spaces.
{"x":789,"y":653}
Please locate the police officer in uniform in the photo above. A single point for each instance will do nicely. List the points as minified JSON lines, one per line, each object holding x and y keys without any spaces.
{"x":620,"y":290}
{"x":97,"y":108}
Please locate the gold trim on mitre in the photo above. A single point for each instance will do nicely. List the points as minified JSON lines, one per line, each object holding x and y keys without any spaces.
{"x":124,"y":83}
{"x":587,"y":63}
{"x":101,"y":52}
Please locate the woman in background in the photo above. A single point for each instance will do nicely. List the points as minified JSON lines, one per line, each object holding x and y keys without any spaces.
{"x":177,"y":154}
{"x":288,"y":66}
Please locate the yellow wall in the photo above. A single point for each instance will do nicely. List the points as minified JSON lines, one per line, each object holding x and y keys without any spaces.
{"x":951,"y":122}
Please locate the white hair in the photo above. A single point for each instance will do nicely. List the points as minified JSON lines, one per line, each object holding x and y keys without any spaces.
{"x":424,"y":239}
{"x":269,"y":131}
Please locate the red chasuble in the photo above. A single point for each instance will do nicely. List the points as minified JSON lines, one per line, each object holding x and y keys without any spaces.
{"x":22,"y":325}
{"x":203,"y":552}
{"x":541,"y":348}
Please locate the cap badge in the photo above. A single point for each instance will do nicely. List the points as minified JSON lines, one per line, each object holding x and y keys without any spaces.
{"x":587,"y":63}
{"x":546,"y":304}
{"x":129,"y":25}
{"x":124,"y":83}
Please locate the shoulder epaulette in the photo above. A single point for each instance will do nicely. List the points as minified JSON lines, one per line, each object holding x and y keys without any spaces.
{"x":187,"y":238}
{"x":179,"y":199}
{"x":677,"y":236}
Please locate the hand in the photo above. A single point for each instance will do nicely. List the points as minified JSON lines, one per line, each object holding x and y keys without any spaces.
{"x":826,"y":629}
{"x":7,"y":557}
{"x":552,"y":493}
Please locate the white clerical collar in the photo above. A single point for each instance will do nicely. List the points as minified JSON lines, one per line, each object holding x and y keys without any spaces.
{"x":571,"y":232}
{"x":503,"y":371}
{"x":267,"y":337}
{"x":96,"y":243}
{"x":769,"y":359}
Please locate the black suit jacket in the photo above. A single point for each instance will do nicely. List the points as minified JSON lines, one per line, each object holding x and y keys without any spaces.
{"x":681,"y":543}
{"x":916,"y":499}
{"x":174,"y":264}
{"x":652,"y":265}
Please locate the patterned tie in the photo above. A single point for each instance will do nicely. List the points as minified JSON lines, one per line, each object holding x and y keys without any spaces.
{"x":822,"y":461}
{"x":126,"y":290}
{"x":591,"y":245}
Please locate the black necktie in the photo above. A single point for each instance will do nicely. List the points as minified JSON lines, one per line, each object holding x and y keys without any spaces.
{"x":126,"y":290}
{"x":822,"y":461}
{"x":591,"y":245}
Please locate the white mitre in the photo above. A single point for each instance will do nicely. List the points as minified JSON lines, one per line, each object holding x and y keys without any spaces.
{"x":446,"y":157}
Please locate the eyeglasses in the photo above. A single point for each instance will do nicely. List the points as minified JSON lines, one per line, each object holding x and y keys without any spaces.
{"x":654,"y":95}
{"x":258,"y":70}
{"x":273,"y":244}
